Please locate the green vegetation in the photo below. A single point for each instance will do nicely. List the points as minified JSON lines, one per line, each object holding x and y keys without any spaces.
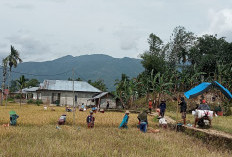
{"x":37,"y":102}
{"x":12,"y":60}
{"x":177,"y":66}
{"x":21,"y":83}
{"x":99,"y":84}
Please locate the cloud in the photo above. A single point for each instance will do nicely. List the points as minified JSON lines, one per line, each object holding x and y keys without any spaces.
{"x":57,"y":1}
{"x":24,"y":6}
{"x":3,"y":45}
{"x":128,"y":37}
{"x":20,"y":6}
{"x":221,"y":23}
{"x":30,"y":47}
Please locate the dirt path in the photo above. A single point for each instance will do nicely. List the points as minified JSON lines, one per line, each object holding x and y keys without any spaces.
{"x":211,"y":132}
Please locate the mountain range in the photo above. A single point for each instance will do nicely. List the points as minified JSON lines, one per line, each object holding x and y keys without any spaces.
{"x":87,"y":67}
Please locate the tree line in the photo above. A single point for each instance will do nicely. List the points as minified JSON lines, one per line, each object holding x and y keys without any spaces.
{"x":178,"y":65}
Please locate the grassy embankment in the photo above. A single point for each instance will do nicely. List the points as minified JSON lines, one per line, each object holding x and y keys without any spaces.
{"x":36,"y":135}
{"x":221,"y":123}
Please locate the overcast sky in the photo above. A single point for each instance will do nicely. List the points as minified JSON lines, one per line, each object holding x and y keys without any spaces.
{"x":47,"y":29}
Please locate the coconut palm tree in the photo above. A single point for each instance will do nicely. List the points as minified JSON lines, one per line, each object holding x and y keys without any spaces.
{"x":12,"y":60}
{"x":4,"y":74}
{"x":21,"y":82}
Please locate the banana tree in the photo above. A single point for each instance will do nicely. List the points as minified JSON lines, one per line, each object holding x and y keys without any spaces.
{"x":160,"y":85}
{"x":21,"y":82}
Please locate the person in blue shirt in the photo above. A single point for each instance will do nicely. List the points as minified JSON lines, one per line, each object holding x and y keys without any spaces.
{"x":94,"y":109}
{"x":125,"y":121}
{"x":162,"y":108}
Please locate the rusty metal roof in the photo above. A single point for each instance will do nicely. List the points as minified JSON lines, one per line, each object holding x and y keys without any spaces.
{"x":65,"y":85}
{"x":100,"y":95}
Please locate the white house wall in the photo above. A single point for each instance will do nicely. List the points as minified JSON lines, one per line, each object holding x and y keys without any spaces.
{"x":66,"y":98}
{"x":112,"y":103}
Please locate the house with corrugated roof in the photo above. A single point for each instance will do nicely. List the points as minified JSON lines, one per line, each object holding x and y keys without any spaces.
{"x":64,"y":92}
{"x":101,"y":100}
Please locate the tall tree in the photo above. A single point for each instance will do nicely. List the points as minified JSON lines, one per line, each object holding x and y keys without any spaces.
{"x":208,"y":51}
{"x":33,"y":83}
{"x":121,"y":89}
{"x":154,"y":58}
{"x":4,"y":74}
{"x":99,"y":84}
{"x":12,"y":60}
{"x":179,"y":46}
{"x":22,"y":81}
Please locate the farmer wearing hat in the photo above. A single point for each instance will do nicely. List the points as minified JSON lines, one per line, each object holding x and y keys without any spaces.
{"x":90,"y":120}
{"x":162,"y":107}
{"x":125,"y":120}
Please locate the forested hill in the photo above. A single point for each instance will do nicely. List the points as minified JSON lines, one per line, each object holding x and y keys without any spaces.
{"x":86,"y":67}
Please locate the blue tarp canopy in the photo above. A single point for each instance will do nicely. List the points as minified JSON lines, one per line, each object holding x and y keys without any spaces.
{"x":205,"y":86}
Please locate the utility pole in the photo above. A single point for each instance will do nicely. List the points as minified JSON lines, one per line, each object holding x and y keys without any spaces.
{"x":74,"y":109}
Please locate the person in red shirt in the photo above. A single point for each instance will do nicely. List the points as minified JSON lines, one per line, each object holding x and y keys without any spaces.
{"x":150,"y":105}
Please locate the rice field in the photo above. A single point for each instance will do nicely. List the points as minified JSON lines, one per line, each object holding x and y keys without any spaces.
{"x":36,"y":135}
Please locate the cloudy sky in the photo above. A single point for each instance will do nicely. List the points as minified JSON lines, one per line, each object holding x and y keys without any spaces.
{"x":47,"y":29}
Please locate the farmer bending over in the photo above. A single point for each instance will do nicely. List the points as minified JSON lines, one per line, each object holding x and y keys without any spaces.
{"x":62,"y":120}
{"x":143,"y":121}
{"x":125,"y":120}
{"x":13,"y":118}
{"x":202,"y":106}
{"x":90,"y":120}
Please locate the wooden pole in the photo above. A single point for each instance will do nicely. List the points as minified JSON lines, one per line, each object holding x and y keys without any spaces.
{"x":73,"y":98}
{"x":177,"y":111}
{"x":177,"y":106}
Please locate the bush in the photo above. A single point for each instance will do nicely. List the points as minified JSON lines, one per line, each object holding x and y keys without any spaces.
{"x":30,"y":101}
{"x":227,"y":110}
{"x":38,"y":102}
{"x":171,"y":106}
{"x":10,"y":99}
{"x":17,"y":96}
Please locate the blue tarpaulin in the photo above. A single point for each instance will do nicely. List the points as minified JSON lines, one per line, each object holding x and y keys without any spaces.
{"x":205,"y":86}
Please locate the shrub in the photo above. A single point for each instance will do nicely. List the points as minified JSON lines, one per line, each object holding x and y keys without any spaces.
{"x":17,"y":96}
{"x":30,"y":101}
{"x":171,"y":106}
{"x":227,"y":109}
{"x":38,"y":102}
{"x":10,"y":99}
